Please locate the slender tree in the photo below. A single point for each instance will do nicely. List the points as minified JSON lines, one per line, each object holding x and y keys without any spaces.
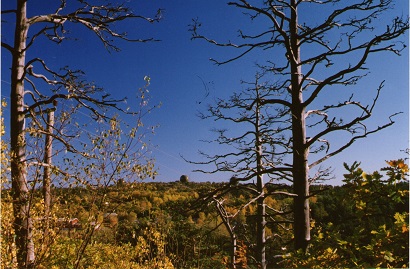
{"x":310,"y":58}
{"x":66,"y":84}
{"x":257,"y":153}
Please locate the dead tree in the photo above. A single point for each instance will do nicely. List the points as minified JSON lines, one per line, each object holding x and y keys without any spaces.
{"x":257,"y":150}
{"x":311,"y":57}
{"x":230,"y":227}
{"x":66,"y":84}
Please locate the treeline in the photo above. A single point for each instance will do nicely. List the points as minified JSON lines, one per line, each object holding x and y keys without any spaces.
{"x":363,"y":223}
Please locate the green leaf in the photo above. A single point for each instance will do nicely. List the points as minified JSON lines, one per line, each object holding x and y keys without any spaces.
{"x":342,"y":242}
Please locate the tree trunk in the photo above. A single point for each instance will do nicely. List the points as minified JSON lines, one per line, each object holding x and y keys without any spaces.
{"x":48,"y":151}
{"x":300,"y":151}
{"x":260,"y":218}
{"x":261,"y":223}
{"x":22,"y":221}
{"x":234,"y":250}
{"x":301,"y":201}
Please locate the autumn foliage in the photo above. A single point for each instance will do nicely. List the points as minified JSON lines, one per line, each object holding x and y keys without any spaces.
{"x":363,"y":223}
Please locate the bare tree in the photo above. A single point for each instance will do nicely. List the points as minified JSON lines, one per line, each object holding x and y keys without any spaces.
{"x":311,"y":57}
{"x":258,"y":152}
{"x":65,"y":84}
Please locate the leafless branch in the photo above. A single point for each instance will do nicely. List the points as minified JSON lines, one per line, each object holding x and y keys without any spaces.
{"x":353,"y":139}
{"x":8,"y":11}
{"x":7,"y":46}
{"x":96,"y":18}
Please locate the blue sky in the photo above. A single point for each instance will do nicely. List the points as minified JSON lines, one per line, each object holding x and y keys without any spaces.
{"x":179,"y":67}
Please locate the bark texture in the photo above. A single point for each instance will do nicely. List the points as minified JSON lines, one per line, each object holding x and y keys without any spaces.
{"x":23,"y":222}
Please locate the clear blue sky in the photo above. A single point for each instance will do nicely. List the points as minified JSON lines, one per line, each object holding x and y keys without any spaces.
{"x":178,"y":67}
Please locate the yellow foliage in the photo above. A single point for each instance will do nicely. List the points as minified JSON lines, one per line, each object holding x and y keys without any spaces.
{"x":109,"y":256}
{"x":404,"y":228}
{"x":400,"y":164}
{"x":8,"y":247}
{"x":313,"y":199}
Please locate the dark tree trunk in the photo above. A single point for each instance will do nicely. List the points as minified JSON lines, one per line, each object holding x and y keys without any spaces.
{"x":300,"y":150}
{"x":301,"y":201}
{"x":261,"y":223}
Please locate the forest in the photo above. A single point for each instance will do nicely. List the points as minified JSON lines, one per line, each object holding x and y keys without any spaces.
{"x":361,"y":224}
{"x":79,"y":174}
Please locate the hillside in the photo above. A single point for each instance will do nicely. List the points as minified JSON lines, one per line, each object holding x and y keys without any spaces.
{"x":166,"y":225}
